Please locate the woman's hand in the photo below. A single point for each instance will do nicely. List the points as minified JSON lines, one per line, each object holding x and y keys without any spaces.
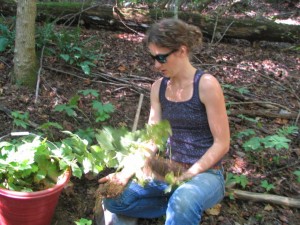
{"x":190,"y":173}
{"x":120,"y":178}
{"x":113,"y":184}
{"x":184,"y":177}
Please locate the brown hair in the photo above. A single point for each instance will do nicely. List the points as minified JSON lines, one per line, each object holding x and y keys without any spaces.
{"x":172,"y":33}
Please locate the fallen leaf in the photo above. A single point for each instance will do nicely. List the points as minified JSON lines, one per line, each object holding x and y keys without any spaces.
{"x":215,"y":210}
{"x":87,"y":81}
{"x":268,"y":208}
{"x":122,"y":68}
{"x":283,"y":218}
{"x":281,"y":121}
{"x":2,"y":66}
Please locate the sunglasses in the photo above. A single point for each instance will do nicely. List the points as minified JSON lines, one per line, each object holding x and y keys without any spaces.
{"x":162,"y":58}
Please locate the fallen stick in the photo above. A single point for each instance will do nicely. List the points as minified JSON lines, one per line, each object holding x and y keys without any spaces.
{"x":138,"y":112}
{"x":280,"y":200}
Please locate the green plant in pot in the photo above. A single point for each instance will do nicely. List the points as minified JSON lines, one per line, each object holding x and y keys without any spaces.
{"x":33,"y":170}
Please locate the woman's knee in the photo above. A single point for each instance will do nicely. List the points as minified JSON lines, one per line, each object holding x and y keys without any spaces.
{"x":112,"y":205}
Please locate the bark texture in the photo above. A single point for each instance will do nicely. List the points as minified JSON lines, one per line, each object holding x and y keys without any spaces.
{"x":25,"y":62}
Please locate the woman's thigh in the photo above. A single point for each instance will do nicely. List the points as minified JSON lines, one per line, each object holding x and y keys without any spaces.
{"x":193,"y":197}
{"x":147,"y":201}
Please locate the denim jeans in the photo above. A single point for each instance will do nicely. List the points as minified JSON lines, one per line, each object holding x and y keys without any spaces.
{"x":183,"y":205}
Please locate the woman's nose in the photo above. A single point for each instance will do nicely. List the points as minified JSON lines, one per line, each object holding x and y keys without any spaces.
{"x":157,"y":64}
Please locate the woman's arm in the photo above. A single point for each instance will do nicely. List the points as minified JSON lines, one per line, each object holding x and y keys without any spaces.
{"x":211,"y":95}
{"x":155,"y":110}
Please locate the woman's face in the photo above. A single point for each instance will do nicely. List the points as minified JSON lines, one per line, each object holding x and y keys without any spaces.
{"x":164,"y":59}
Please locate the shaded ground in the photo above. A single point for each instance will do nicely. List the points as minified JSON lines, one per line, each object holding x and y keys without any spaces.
{"x":260,"y":83}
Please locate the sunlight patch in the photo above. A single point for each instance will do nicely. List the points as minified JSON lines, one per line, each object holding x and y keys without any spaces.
{"x":288,"y":21}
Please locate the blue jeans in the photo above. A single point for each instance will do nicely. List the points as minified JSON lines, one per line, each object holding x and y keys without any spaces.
{"x":183,"y":205}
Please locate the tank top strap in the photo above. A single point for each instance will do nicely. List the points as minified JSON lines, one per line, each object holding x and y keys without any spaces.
{"x":197,"y":77}
{"x":163,"y":87}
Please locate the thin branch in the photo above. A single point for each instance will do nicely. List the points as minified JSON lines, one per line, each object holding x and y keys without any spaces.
{"x":39,"y":76}
{"x":122,"y":21}
{"x":297,"y":119}
{"x":266,"y":114}
{"x":283,"y":168}
{"x":83,"y":2}
{"x":76,"y":14}
{"x":110,"y":80}
{"x":225,"y":32}
{"x":138,"y":112}
{"x":215,"y":28}
{"x":259,"y":102}
{"x":5,"y":63}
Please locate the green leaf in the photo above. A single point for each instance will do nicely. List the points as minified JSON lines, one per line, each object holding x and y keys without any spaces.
{"x":247,"y":118}
{"x":66,"y":108}
{"x":170,"y":178}
{"x":229,"y":179}
{"x":40,"y":176}
{"x":108,"y":108}
{"x":103,"y":108}
{"x":245,"y":133}
{"x":83,"y":221}
{"x":85,"y":66}
{"x":288,"y":130}
{"x":92,"y":92}
{"x":77,"y":49}
{"x":20,"y":123}
{"x":77,"y":144}
{"x":241,"y":179}
{"x":87,"y":165}
{"x":87,"y":134}
{"x":47,"y":125}
{"x":76,"y":171}
{"x":228,"y":86}
{"x":102,"y":117}
{"x":3,"y":44}
{"x":276,"y":141}
{"x":297,"y":173}
{"x":253,"y":144}
{"x":243,"y":90}
{"x":65,"y":57}
{"x":73,"y":102}
{"x":266,"y":185}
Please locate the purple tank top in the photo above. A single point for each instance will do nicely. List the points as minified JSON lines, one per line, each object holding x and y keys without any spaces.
{"x":191,"y":135}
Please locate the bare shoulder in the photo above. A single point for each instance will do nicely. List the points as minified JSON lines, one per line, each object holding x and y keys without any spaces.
{"x":155,"y":89}
{"x":209,"y":88}
{"x":208,"y":81}
{"x":156,"y":84}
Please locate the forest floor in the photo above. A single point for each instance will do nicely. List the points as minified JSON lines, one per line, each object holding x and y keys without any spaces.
{"x":261,"y":84}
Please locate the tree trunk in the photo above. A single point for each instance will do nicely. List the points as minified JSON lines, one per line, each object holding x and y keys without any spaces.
{"x":108,"y":17}
{"x":25,"y":62}
{"x":140,"y":20}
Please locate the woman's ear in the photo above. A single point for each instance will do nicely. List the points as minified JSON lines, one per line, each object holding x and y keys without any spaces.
{"x":183,"y":49}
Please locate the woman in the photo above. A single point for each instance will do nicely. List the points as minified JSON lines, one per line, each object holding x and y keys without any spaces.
{"x":193,"y":102}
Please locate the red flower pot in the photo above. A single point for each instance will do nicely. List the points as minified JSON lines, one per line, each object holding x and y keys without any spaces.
{"x":30,"y":208}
